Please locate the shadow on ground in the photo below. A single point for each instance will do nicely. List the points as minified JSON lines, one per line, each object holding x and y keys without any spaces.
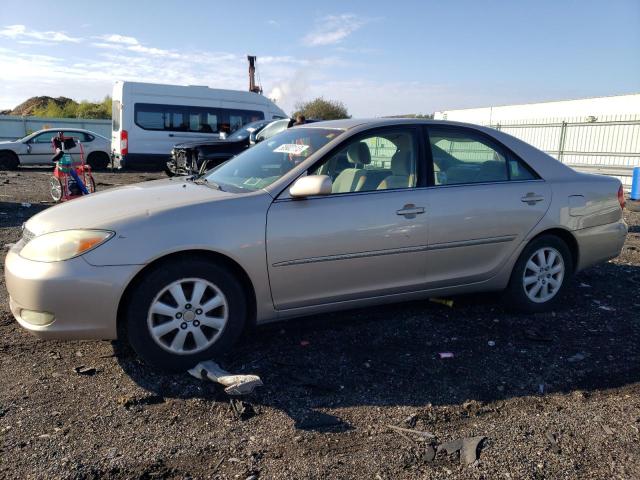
{"x":14,"y":214}
{"x":390,"y":355}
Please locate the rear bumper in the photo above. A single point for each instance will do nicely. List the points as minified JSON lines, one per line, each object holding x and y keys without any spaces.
{"x":601,"y":243}
{"x":83,"y":299}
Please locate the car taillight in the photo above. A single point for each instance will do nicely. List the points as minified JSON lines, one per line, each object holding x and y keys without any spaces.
{"x":124,"y":142}
{"x":621,"y":197}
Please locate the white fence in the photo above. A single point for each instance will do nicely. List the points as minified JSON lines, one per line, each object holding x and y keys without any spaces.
{"x":609,"y":145}
{"x":13,"y":126}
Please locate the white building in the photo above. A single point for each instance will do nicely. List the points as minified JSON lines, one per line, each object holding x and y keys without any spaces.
{"x":583,"y":109}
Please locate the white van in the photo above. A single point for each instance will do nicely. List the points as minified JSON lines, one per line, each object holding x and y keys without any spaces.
{"x":149,"y":119}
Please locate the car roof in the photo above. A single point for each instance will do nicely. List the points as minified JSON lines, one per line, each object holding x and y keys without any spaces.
{"x":349,"y":123}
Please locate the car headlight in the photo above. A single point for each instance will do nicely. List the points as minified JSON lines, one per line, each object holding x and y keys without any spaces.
{"x":58,"y":246}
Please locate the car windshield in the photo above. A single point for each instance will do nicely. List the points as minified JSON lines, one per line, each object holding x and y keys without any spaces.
{"x":269,"y":160}
{"x":243,"y":133}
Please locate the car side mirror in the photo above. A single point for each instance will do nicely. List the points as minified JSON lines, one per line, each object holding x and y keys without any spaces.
{"x":310,"y":186}
{"x":252,"y":138}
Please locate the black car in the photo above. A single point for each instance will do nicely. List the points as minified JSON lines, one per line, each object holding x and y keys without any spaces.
{"x":199,"y":156}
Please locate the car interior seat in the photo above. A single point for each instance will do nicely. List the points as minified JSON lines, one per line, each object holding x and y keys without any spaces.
{"x":353,"y":179}
{"x":402,"y":171}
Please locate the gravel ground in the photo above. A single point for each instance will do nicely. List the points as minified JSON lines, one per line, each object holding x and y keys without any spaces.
{"x":556,"y":395}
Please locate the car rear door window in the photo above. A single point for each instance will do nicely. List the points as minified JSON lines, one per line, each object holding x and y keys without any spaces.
{"x":462,"y":156}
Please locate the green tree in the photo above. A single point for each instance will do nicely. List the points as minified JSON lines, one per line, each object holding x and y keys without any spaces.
{"x":84,"y":109}
{"x":322,"y":109}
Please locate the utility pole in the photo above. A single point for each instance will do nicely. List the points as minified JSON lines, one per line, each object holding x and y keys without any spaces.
{"x":252,"y":75}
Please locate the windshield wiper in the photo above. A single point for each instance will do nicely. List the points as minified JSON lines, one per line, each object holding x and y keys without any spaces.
{"x":210,"y":183}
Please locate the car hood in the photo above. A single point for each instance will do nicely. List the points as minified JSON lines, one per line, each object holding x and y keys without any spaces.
{"x":108,"y":208}
{"x":201,"y":143}
{"x":6,"y":143}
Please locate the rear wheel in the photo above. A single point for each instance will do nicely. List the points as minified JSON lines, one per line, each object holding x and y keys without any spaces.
{"x":540,"y":275}
{"x":185,"y":312}
{"x":98,"y":160}
{"x":8,"y":161}
{"x":55,"y":188}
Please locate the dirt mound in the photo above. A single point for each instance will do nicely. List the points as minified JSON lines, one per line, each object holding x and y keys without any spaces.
{"x":29,"y":106}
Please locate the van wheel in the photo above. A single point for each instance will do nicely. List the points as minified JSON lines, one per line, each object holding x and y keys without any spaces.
{"x":8,"y":161}
{"x":540,"y":275}
{"x":184,"y":312}
{"x":98,"y":160}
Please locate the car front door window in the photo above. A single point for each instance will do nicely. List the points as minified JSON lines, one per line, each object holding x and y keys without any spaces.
{"x":384,"y":161}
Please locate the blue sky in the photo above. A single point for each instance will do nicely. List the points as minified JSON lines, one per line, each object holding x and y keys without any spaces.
{"x":378,"y":57}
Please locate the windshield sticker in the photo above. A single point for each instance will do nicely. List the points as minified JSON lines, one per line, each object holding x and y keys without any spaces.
{"x":291,"y":149}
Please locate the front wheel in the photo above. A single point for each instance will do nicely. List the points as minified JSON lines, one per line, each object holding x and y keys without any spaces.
{"x":185,"y":312}
{"x":540,"y":275}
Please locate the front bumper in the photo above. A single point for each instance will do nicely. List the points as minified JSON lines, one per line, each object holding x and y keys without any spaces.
{"x":601,"y":243}
{"x":82,"y":298}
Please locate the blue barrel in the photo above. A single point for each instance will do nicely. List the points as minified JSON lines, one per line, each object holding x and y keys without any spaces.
{"x":635,"y":184}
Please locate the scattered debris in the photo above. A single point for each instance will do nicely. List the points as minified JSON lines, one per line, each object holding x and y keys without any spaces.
{"x":607,"y":429}
{"x":430,"y":453}
{"x":468,"y":448}
{"x":132,"y":401}
{"x":578,"y":357}
{"x":415,"y":432}
{"x":553,"y":441}
{"x":541,"y":388}
{"x":25,"y":205}
{"x":442,"y":301}
{"x":491,"y":343}
{"x":446,"y":354}
{"x":82,"y":370}
{"x":607,"y":309}
{"x":411,"y":420}
{"x":234,"y":384}
{"x":243,"y":409}
{"x":305,"y":343}
{"x":536,"y":335}
{"x":584,"y":285}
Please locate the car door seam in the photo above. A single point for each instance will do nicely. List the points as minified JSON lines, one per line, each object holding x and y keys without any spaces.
{"x":396,"y":251}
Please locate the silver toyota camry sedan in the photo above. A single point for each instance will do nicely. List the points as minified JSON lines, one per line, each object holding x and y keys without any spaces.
{"x":321,"y":217}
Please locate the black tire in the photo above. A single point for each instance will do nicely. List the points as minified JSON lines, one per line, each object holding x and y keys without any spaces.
{"x":169,"y":171}
{"x":98,"y":160}
{"x":9,"y":161}
{"x":633,"y":205}
{"x":516,"y":295}
{"x":153,"y":283}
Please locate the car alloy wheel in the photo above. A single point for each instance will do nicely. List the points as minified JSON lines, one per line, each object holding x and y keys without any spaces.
{"x":187,"y":316}
{"x":543,"y":274}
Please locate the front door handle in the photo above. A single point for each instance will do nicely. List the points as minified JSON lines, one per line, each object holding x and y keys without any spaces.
{"x":171,"y":135}
{"x":410,"y":211}
{"x":532,"y":198}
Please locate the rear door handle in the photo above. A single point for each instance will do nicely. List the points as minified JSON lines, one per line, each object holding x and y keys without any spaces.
{"x":171,"y":134}
{"x":532,"y":198}
{"x":410,"y":211}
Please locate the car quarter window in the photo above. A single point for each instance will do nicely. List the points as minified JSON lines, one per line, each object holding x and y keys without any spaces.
{"x":383,"y":160}
{"x":463,"y":156}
